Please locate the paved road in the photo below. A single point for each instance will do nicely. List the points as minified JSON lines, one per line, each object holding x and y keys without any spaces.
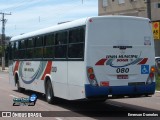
{"x":85,"y":110}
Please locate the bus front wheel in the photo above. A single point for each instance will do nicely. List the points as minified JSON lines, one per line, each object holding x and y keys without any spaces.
{"x":49,"y":93}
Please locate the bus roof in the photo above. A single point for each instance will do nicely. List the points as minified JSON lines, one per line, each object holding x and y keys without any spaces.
{"x":67,"y":25}
{"x":58,"y":27}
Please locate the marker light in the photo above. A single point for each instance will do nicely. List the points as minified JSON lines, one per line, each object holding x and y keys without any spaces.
{"x":153,"y":69}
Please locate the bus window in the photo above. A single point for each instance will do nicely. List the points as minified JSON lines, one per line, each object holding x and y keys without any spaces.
{"x":22,"y":54}
{"x":22,"y":44}
{"x":61,"y":44}
{"x":76,"y":35}
{"x":39,"y":41}
{"x":38,"y":52}
{"x":29,"y":53}
{"x":76,"y":43}
{"x":61,"y":38}
{"x":49,"y":52}
{"x":60,"y":51}
{"x":30,"y":48}
{"x":49,"y":40}
{"x":30,"y":43}
{"x":75,"y":50}
{"x":22,"y":50}
{"x":16,"y":52}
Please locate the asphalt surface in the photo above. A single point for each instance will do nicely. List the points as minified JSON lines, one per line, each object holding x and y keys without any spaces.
{"x":76,"y":110}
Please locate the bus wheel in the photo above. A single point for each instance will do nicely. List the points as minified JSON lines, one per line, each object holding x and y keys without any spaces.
{"x":49,"y":93}
{"x":19,"y":88}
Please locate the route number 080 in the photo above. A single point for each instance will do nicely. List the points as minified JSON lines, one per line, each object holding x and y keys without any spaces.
{"x":122,"y":70}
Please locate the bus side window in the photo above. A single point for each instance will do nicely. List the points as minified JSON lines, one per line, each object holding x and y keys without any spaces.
{"x":61,"y":38}
{"x":38,"y":50}
{"x":30,"y":48}
{"x":76,"y":35}
{"x":30,"y":42}
{"x":48,"y":52}
{"x":61,"y":44}
{"x":49,"y":41}
{"x":22,"y":49}
{"x":60,"y":51}
{"x":75,"y":51}
{"x":76,"y":43}
{"x":16,"y":51}
{"x":39,"y":41}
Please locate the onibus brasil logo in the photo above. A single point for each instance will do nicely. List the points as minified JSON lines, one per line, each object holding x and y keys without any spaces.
{"x":30,"y":101}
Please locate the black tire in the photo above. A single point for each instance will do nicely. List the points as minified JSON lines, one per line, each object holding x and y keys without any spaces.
{"x":19,"y":89}
{"x":49,"y":93}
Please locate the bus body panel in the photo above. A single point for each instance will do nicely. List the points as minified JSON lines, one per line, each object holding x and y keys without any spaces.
{"x":76,"y":79}
{"x":59,"y":79}
{"x":121,"y":52}
{"x":30,"y":73}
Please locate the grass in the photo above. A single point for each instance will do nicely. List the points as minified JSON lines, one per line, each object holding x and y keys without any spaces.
{"x":158,"y":82}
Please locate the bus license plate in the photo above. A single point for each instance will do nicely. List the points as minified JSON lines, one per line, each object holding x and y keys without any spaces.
{"x":122,"y":76}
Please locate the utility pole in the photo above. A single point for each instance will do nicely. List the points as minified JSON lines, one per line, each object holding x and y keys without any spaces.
{"x":149,"y":9}
{"x":3,"y":38}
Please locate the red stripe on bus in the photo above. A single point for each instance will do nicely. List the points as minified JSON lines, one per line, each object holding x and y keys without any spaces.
{"x":16,"y":67}
{"x":47,"y":70}
{"x":143,"y":61}
{"x":101,"y":62}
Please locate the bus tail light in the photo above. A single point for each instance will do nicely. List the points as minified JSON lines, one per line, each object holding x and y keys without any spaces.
{"x":91,"y":76}
{"x":151,"y":75}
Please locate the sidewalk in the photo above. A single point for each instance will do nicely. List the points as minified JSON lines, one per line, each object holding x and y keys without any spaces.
{"x":6,"y":69}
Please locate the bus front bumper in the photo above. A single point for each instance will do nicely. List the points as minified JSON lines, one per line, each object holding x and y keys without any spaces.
{"x":95,"y":91}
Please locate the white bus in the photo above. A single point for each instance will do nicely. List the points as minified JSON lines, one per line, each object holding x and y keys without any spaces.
{"x":90,"y":58}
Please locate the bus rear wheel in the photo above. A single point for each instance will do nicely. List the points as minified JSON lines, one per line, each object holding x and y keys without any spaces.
{"x":19,"y":89}
{"x":49,"y":93}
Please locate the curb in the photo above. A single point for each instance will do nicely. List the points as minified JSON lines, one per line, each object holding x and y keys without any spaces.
{"x":157,"y":91}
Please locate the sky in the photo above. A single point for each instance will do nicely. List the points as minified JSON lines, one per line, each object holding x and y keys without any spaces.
{"x":29,"y":15}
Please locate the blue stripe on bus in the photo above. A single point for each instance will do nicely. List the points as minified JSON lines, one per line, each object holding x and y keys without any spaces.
{"x":92,"y":91}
